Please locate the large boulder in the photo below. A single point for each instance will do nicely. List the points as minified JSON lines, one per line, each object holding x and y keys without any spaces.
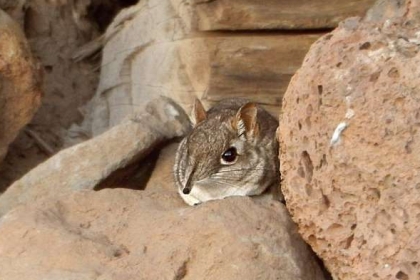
{"x":349,"y":146}
{"x":20,"y":82}
{"x":126,"y":234}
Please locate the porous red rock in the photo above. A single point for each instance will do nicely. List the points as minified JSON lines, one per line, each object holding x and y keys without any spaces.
{"x":125,"y":234}
{"x":350,"y":147}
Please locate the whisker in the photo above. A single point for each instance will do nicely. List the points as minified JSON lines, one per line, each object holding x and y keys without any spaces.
{"x":242,"y":169}
{"x":225,"y":183}
{"x":233,"y":173}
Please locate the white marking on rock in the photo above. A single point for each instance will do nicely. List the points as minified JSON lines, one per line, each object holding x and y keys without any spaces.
{"x":350,"y":111}
{"x":337,"y":133}
{"x":348,"y":100}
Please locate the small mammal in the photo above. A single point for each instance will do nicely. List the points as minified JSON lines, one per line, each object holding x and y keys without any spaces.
{"x":231,"y":151}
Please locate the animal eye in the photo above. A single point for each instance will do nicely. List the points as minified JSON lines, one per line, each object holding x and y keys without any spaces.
{"x":229,"y":156}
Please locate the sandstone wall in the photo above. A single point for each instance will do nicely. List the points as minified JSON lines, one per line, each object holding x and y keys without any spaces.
{"x":274,"y":14}
{"x":207,"y":49}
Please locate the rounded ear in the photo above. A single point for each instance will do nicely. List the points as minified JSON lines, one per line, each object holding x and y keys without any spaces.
{"x":245,"y":121}
{"x":198,"y":113}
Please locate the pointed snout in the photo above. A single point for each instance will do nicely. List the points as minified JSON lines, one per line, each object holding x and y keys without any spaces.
{"x":186,"y":190}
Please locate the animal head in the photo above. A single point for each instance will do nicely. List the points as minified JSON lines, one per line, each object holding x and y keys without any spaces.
{"x":229,"y":152}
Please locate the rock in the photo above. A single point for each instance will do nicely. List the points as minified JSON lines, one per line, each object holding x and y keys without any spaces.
{"x":162,"y":175}
{"x":20,"y":82}
{"x":55,"y":31}
{"x":125,"y":234}
{"x":87,"y":164}
{"x":349,"y":148}
{"x":185,"y":64}
{"x":14,"y":8}
{"x":388,"y":9}
{"x":61,"y":28}
{"x":186,"y":55}
{"x":275,"y":14}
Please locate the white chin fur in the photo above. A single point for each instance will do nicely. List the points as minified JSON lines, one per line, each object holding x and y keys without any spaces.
{"x":199,"y":195}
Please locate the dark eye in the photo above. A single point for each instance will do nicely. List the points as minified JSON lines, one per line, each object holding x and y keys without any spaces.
{"x":229,"y":156}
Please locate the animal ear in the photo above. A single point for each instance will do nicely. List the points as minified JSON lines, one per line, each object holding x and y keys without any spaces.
{"x":198,"y":113}
{"x":245,"y":121}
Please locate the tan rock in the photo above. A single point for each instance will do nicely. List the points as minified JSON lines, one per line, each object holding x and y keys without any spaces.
{"x":125,"y":234}
{"x":255,"y":67}
{"x":20,"y":78}
{"x":169,"y":59}
{"x":162,"y":175}
{"x":85,"y":165}
{"x":275,"y":14}
{"x":349,"y":149}
{"x":55,"y":29}
{"x":384,"y":10}
{"x":14,"y":8}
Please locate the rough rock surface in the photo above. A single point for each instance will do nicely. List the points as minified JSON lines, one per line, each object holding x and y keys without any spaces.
{"x":162,"y":175}
{"x":126,"y":234}
{"x":87,"y":164}
{"x":20,"y":82}
{"x":349,"y":147}
{"x":275,"y":14}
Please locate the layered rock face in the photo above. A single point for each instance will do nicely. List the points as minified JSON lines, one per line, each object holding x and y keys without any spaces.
{"x":125,"y":234}
{"x":274,"y":14}
{"x":349,"y":148}
{"x":20,"y":82}
{"x":176,"y":48}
